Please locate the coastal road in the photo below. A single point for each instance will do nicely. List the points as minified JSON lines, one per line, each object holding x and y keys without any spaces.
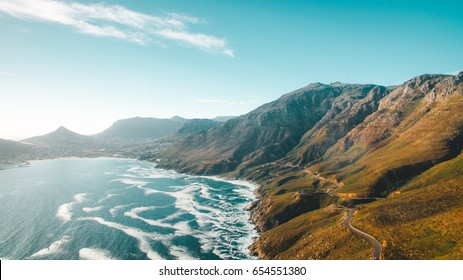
{"x":376,"y":245}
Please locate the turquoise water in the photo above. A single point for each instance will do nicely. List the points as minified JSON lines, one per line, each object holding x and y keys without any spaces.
{"x":120,"y":209}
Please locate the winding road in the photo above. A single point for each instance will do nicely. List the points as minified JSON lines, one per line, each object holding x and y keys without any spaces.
{"x":376,"y":245}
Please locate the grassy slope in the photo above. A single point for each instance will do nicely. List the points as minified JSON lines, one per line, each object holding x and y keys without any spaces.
{"x":415,"y":128}
{"x":423,"y":219}
{"x":414,"y":132}
{"x":315,"y":235}
{"x":410,"y":149}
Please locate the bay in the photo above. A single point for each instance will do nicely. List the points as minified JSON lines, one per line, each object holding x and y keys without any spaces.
{"x":120,"y":209}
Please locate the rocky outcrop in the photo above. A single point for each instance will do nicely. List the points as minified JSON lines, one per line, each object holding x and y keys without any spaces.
{"x":349,"y":110}
{"x":303,"y":202}
{"x":196,"y":125}
{"x":415,"y":127}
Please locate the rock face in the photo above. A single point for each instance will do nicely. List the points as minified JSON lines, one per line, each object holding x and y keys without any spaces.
{"x":328,"y":145}
{"x":347,"y":111}
{"x":196,"y":125}
{"x":415,"y":127}
{"x":265,"y":134}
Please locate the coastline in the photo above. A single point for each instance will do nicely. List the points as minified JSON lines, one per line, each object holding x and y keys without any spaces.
{"x":14,"y":165}
{"x":249,"y":207}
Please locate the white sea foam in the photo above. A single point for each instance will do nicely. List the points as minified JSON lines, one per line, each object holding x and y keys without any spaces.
{"x":181,"y":227}
{"x":250,"y":185}
{"x":92,"y":209}
{"x":247,"y":184}
{"x":148,"y":191}
{"x":217,"y":222}
{"x":107,"y":197}
{"x":205,"y":191}
{"x":181,"y":253}
{"x":153,"y":173}
{"x":54,"y":248}
{"x":129,"y":175}
{"x":185,"y":201}
{"x":135,"y":168}
{"x":114,"y":210}
{"x":141,"y":236}
{"x":80,"y":197}
{"x":64,"y":210}
{"x":131,"y":182}
{"x":94,"y":254}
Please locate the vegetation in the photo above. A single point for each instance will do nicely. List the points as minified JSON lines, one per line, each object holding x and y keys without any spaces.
{"x":315,"y":235}
{"x":421,"y":220}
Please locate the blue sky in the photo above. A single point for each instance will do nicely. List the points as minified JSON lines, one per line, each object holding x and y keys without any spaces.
{"x":84,"y":64}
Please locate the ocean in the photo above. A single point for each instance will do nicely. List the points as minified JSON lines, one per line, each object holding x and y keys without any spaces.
{"x":120,"y":209}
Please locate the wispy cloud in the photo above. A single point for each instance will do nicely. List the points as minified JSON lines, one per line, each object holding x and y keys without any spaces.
{"x":8,"y":74}
{"x":116,"y":21}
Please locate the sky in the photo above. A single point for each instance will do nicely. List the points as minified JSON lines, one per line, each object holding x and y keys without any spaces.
{"x":85,"y":64}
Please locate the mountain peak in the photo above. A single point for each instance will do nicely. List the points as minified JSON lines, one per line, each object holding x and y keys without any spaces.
{"x":420,"y":80}
{"x":61,"y":137}
{"x":62,"y":129}
{"x":336,"y":84}
{"x":178,"y":119}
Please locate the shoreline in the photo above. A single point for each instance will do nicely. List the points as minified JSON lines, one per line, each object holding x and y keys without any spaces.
{"x":14,"y":165}
{"x":249,"y":207}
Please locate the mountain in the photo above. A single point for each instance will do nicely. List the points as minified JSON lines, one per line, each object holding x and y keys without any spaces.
{"x":345,"y":114}
{"x":62,"y":138}
{"x":263,"y":135}
{"x":10,"y":148}
{"x":422,"y":219}
{"x":139,"y":130}
{"x":415,"y":127}
{"x":223,"y":118}
{"x":395,"y":152}
{"x":197,"y":125}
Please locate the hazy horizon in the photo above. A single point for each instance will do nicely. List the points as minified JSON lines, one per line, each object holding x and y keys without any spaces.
{"x":85,"y":64}
{"x":98,"y":131}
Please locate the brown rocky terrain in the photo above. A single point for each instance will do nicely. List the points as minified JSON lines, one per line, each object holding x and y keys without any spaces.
{"x":323,"y":147}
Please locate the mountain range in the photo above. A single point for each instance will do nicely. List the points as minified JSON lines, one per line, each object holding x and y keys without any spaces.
{"x":126,"y":137}
{"x":9,"y":147}
{"x":392,"y":153}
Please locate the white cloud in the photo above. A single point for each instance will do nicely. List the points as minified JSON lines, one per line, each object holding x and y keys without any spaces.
{"x":116,"y":21}
{"x":199,"y":40}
